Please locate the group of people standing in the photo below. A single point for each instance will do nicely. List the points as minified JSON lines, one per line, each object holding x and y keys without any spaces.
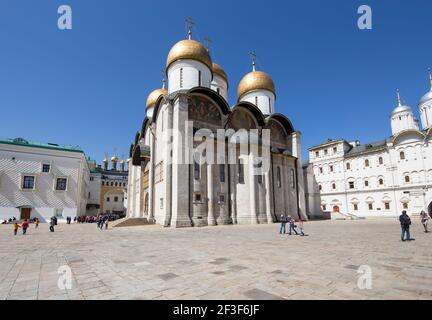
{"x":284,"y":220}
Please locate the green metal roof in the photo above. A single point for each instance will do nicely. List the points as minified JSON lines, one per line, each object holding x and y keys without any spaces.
{"x":50,"y":146}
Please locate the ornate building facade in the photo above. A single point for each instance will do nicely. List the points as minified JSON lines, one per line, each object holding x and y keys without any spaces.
{"x":167,"y":190}
{"x":107,"y":187}
{"x":376,"y":179}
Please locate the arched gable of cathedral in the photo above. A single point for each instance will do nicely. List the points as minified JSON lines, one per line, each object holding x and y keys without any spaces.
{"x":408,"y":136}
{"x":203,"y":109}
{"x":217,"y":98}
{"x":246,"y":116}
{"x":157,"y":107}
{"x":144,"y":126}
{"x":278,"y":134}
{"x":137,"y":138}
{"x":286,"y":123}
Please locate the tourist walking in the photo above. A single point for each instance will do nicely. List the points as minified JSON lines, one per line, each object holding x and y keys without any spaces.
{"x":424,"y":217}
{"x":36,"y":223}
{"x":292,"y":226}
{"x":52,"y":224}
{"x":301,"y":227}
{"x":25,"y":226}
{"x":283,"y":222}
{"x":405,"y":222}
{"x":16,"y":226}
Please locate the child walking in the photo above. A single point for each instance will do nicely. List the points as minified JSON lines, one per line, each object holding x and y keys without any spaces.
{"x":16,"y":226}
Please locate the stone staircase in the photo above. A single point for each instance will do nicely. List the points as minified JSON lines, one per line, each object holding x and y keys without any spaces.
{"x":343,"y":216}
{"x":130,"y":222}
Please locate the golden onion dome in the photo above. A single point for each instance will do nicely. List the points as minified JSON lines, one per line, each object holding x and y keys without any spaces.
{"x":189,"y":49}
{"x":255,"y":80}
{"x":217,"y":69}
{"x":154,"y":96}
{"x":114,"y":159}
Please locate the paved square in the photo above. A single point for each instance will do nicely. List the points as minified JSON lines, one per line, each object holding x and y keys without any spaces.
{"x":226,"y":262}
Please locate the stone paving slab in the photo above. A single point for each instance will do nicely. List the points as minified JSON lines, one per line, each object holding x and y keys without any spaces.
{"x":217,"y":263}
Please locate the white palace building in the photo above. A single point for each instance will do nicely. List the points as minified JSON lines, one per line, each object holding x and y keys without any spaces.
{"x":377,"y":179}
{"x":42,"y":180}
{"x":195,"y":194}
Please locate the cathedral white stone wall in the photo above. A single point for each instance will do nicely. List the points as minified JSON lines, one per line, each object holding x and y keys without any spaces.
{"x":169,"y":189}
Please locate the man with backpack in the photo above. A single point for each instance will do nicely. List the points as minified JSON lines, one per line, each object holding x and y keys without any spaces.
{"x":405,"y":222}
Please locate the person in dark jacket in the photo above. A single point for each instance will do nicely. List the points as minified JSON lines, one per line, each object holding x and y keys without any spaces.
{"x":52,"y":224}
{"x":405,"y":222}
{"x":292,"y":225}
{"x":283,"y":222}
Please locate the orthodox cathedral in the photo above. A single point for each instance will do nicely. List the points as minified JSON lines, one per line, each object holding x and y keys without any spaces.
{"x":176,"y":193}
{"x":380,"y":178}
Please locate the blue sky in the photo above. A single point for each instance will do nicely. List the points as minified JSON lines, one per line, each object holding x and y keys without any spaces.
{"x":88,"y":86}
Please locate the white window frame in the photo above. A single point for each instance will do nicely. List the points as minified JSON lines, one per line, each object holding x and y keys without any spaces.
{"x":48,"y":164}
{"x":22,"y":181}
{"x":55,"y":183}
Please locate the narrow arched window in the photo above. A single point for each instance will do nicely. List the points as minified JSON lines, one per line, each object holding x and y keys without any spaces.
{"x":240,"y":171}
{"x":181,"y":77}
{"x":199,"y":78}
{"x":381,"y":182}
{"x":367,"y":163}
{"x":407,"y":179}
{"x":380,"y":160}
{"x":348,"y":166}
{"x":222,"y":173}
{"x":197,"y":170}
{"x":279,"y":180}
{"x":402,"y":155}
{"x":293,"y":180}
{"x":256,"y":101}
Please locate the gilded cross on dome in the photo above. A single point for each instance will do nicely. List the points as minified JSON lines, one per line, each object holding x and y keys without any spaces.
{"x":208,"y":42}
{"x":189,"y":23}
{"x":253,"y":55}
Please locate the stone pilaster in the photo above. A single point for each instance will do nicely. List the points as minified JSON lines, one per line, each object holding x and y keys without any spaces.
{"x":252,"y":190}
{"x":296,"y":145}
{"x":180,"y":170}
{"x":210,"y":196}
